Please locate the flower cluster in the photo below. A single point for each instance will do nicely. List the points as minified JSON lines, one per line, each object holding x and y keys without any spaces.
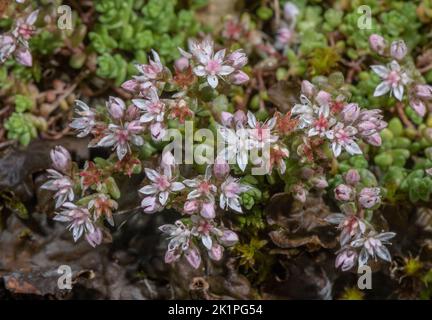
{"x":16,"y":43}
{"x":356,"y":233}
{"x":244,"y":136}
{"x":322,"y":116}
{"x":81,"y":218}
{"x":399,"y":77}
{"x":197,"y":199}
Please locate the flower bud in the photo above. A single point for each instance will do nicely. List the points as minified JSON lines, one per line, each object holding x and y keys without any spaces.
{"x":191,"y":206}
{"x":240,"y":117}
{"x":237,"y":59}
{"x":320,"y":182}
{"x":290,"y":11}
{"x":216,"y":252}
{"x":130,"y":85}
{"x":377,"y":43}
{"x":61,"y":159}
{"x":24,"y":57}
{"x":229,"y":238}
{"x":221,"y":168}
{"x":350,"y":112}
{"x":369,"y":197}
{"x":94,"y":238}
{"x":374,"y":139}
{"x":116,"y":107}
{"x":343,"y":192}
{"x":423,"y":91}
{"x":398,"y":49}
{"x":208,"y":210}
{"x":226,"y":118}
{"x":193,"y":257}
{"x":157,"y":131}
{"x":132,"y":113}
{"x":352,"y":177}
{"x":323,"y":98}
{"x":418,"y":106}
{"x":346,"y":259}
{"x":181,"y":64}
{"x":239,"y":77}
{"x":307,"y":88}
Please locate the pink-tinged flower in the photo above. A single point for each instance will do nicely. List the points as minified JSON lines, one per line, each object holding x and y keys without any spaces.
{"x":180,"y":243}
{"x":237,"y":145}
{"x":116,"y":107}
{"x":221,"y":168}
{"x":343,"y":138}
{"x":343,"y":192}
{"x":369,"y":197}
{"x":150,"y":75}
{"x":85,"y":123}
{"x":398,"y":49}
{"x":205,"y":230}
{"x":322,"y":123}
{"x":159,"y":190}
{"x":63,"y":186}
{"x":377,"y":43}
{"x":119,"y":136}
{"x":78,"y":219}
{"x":305,"y":111}
{"x":94,"y":238}
{"x":260,"y":132}
{"x":394,"y":79}
{"x":350,"y":112}
{"x":153,"y":109}
{"x":373,"y":245}
{"x":239,"y":77}
{"x":423,"y":91}
{"x":61,"y":159}
{"x":228,"y":238}
{"x":158,"y":131}
{"x":103,"y":206}
{"x":351,"y":226}
{"x":352,"y":177}
{"x":211,"y":65}
{"x":151,"y":71}
{"x":24,"y":28}
{"x":231,"y":190}
{"x":346,"y":259}
{"x":237,"y":59}
{"x":202,"y":186}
